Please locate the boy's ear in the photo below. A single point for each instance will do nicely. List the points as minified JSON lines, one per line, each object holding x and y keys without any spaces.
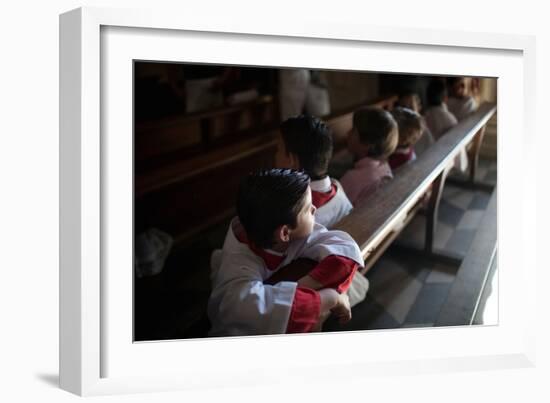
{"x":282,"y":233}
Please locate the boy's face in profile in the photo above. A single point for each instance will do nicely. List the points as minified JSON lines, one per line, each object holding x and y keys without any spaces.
{"x":305,"y":219}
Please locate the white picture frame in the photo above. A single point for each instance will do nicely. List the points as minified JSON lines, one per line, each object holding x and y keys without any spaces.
{"x":96,"y":354}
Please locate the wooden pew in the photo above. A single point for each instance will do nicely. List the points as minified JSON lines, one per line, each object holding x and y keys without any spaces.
{"x":191,"y":195}
{"x":377,"y":220}
{"x":201,"y":131}
{"x":188,"y":190}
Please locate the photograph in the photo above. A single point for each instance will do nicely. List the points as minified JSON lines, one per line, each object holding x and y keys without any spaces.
{"x":317,"y":208}
{"x":278,"y":200}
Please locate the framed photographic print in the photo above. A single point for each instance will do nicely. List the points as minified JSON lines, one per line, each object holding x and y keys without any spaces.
{"x":161,"y":118}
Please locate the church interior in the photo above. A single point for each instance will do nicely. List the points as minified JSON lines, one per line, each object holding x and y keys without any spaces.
{"x":428,"y":236}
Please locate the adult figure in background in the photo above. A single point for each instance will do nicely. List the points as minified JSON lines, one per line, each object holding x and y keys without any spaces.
{"x":404,"y":83}
{"x":302,"y":90}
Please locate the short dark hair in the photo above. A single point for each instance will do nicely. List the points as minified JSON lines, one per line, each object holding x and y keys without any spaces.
{"x":269,"y":198}
{"x":310,"y":139}
{"x":409,"y":124}
{"x":452,"y":83}
{"x":374,"y":126}
{"x":452,"y":80}
{"x":436,"y":92}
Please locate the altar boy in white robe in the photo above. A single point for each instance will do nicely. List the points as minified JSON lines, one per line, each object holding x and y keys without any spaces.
{"x":275,"y":227}
{"x":306,"y":143}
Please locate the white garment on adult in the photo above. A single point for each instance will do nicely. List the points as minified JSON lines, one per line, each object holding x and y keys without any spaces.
{"x":439,"y":120}
{"x":336,"y":208}
{"x":241,"y":304}
{"x":462,"y":107}
{"x":317,"y":101}
{"x":461,"y":160}
{"x":293,"y":88}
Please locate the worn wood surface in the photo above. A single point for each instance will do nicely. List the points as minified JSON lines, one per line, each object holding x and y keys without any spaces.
{"x":154,"y":139}
{"x":187,"y":168}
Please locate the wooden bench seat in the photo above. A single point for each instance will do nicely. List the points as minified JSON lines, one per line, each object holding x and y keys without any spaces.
{"x":155,"y":139}
{"x":180,"y":169}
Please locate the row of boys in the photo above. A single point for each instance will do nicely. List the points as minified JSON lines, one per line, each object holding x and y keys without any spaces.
{"x":283,"y":215}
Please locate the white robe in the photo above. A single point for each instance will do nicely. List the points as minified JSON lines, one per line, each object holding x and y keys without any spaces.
{"x":336,"y":208}
{"x":293,"y":88}
{"x":241,"y":304}
{"x":439,"y":120}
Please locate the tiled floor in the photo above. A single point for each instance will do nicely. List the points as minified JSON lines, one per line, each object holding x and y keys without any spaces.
{"x":409,"y":292}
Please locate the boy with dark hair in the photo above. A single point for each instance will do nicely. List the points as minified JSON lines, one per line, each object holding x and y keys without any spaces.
{"x":372,"y":140}
{"x":307,"y":144}
{"x":275,"y":226}
{"x":439,"y":120}
{"x":437,"y":116}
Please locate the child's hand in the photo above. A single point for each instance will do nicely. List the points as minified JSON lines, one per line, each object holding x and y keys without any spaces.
{"x":342,"y":310}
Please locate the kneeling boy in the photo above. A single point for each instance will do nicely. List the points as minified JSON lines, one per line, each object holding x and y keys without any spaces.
{"x":275,"y":226}
{"x":307,"y":145}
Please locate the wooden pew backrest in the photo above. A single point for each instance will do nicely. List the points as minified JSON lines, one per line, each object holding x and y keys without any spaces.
{"x":193,"y":194}
{"x":157,"y":138}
